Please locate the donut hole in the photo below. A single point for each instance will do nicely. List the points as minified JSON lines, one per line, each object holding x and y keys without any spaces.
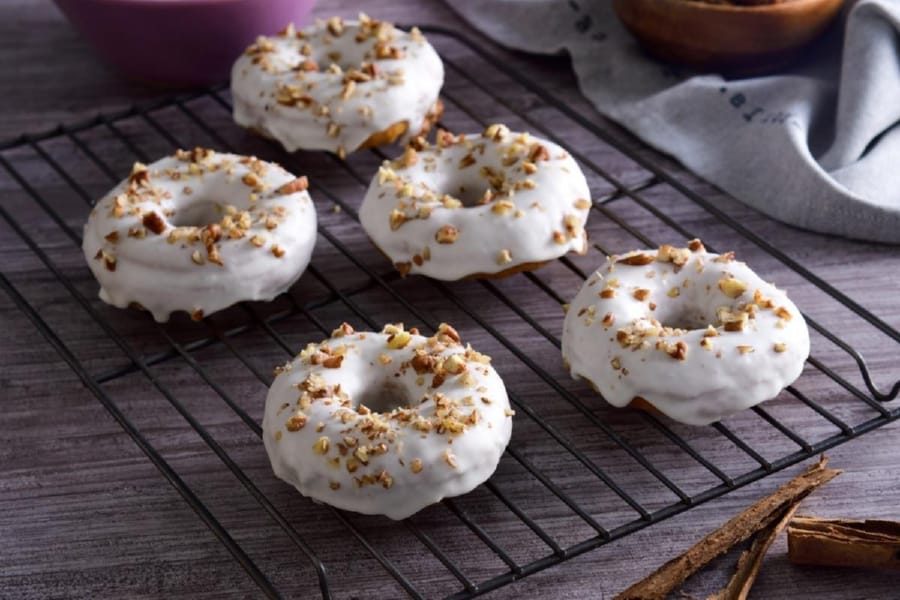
{"x":686,"y":317}
{"x":470,"y":195}
{"x":197,"y":214}
{"x":384,"y":396}
{"x":469,"y":187}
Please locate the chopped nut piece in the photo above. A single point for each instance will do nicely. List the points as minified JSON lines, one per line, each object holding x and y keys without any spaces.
{"x":466,"y":161}
{"x":277,"y":250}
{"x":333,"y":362}
{"x":783,"y":313}
{"x":197,"y":258}
{"x":745,"y":349}
{"x":296,"y":422}
{"x":496,"y":132}
{"x":109,"y":261}
{"x":383,"y":50}
{"x":608,"y":293}
{"x":292,"y":187}
{"x":582,"y":204}
{"x":538,"y":153}
{"x":343,"y":330}
{"x":732,"y":321}
{"x":450,"y":332}
{"x":678,"y":351}
{"x":348,"y":90}
{"x":504,"y":257}
{"x":416,"y":466}
{"x":616,"y":363}
{"x":334,"y":130}
{"x":727,"y":257}
{"x":732,"y":287}
{"x":447,"y":234}
{"x":637,"y":259}
{"x":153,"y":222}
{"x":695,"y":245}
{"x":112,"y":237}
{"x":139,"y":176}
{"x":641,"y":294}
{"x":450,"y":459}
{"x":335,"y":26}
{"x":258,"y":241}
{"x":502,"y":207}
{"x":396,"y":219}
{"x":608,"y":320}
{"x":251,"y":180}
{"x":673,"y":293}
{"x":559,"y":237}
{"x":398,"y":340}
{"x":780,"y":347}
{"x":197,"y":315}
{"x":710,"y":331}
{"x":454,"y":364}
{"x":321,"y":445}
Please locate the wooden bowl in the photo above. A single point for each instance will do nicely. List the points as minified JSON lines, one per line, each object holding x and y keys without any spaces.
{"x":736,"y":39}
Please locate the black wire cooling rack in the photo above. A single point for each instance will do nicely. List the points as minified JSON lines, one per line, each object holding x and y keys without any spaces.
{"x":577,"y":474}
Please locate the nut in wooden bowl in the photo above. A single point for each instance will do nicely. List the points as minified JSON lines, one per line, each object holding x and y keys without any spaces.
{"x":738,"y":38}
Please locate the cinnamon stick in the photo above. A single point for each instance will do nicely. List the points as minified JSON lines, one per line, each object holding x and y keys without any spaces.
{"x":750,"y":561}
{"x":844,"y":543}
{"x":758,"y":516}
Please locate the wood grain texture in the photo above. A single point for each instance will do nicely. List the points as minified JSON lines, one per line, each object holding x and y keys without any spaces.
{"x":85,"y":515}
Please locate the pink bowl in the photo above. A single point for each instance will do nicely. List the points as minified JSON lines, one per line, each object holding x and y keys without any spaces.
{"x":179,"y":42}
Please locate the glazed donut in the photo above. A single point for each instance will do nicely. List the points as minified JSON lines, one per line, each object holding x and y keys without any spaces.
{"x":483,"y":205}
{"x":338,"y":86}
{"x":199,"y":231}
{"x":698,"y":336}
{"x":386,"y":423}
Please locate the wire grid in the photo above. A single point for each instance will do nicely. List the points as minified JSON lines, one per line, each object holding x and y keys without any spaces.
{"x":577,"y":474}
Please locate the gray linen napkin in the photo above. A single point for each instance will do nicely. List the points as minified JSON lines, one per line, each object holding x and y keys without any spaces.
{"x":817,"y":146}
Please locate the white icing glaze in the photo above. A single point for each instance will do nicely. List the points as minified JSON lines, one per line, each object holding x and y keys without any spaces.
{"x":477,"y":204}
{"x":199,"y":231}
{"x":741,"y":339}
{"x":323,"y":439}
{"x":346,"y":98}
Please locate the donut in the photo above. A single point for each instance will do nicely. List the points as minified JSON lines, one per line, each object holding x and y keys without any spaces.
{"x":338,"y":86}
{"x":198,"y":231}
{"x":482,"y":205}
{"x":698,"y":336}
{"x":386,"y":423}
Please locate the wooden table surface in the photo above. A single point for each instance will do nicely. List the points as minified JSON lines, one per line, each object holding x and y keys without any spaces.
{"x":84,"y":514}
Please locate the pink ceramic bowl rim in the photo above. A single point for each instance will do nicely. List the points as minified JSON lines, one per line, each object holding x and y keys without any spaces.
{"x":167,"y":3}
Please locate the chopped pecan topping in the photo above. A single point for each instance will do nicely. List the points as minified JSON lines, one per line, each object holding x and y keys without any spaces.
{"x":299,"y":184}
{"x":537,"y":153}
{"x":466,"y":161}
{"x":678,"y":351}
{"x":636,"y":259}
{"x":153,"y":222}
{"x":695,"y":245}
{"x":447,"y":234}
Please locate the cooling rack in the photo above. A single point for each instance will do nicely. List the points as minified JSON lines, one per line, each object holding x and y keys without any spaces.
{"x":577,"y":475}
